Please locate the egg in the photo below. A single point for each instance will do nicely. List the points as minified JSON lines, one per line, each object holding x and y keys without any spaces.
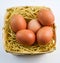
{"x":44,"y":35}
{"x":34,"y":25}
{"x":25,"y":37}
{"x":17,"y":22}
{"x":45,"y":17}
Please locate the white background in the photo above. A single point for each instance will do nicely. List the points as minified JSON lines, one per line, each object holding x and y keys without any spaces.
{"x":53,"y":57}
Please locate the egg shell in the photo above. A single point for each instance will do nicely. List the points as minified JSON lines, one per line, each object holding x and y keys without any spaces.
{"x":45,"y":17}
{"x":34,"y":25}
{"x":18,"y":22}
{"x":44,"y":35}
{"x":25,"y":37}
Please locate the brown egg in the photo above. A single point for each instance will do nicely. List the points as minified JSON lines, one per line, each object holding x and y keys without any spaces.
{"x":18,"y":22}
{"x":44,"y":35}
{"x":34,"y":25}
{"x":25,"y":37}
{"x":45,"y":17}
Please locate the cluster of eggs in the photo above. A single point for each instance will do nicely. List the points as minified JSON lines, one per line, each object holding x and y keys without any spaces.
{"x":39,"y":29}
